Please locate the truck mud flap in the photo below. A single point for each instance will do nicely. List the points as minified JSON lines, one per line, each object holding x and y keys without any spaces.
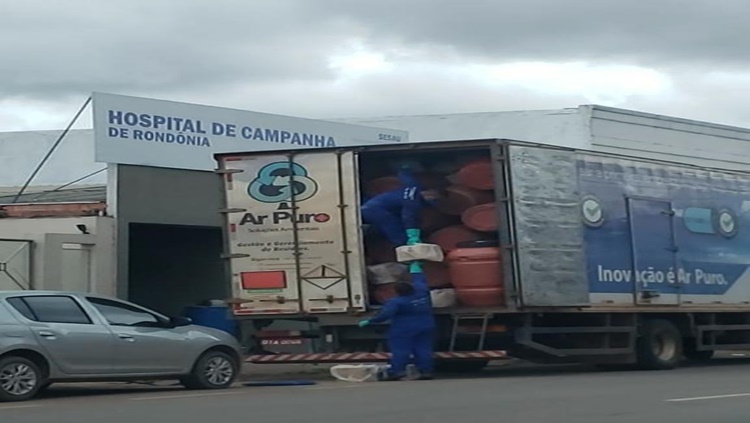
{"x":367,"y":357}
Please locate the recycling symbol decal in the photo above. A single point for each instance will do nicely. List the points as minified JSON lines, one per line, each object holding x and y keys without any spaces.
{"x":278,"y":182}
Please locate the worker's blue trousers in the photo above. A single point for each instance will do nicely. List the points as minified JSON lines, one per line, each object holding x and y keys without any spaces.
{"x":404,"y":347}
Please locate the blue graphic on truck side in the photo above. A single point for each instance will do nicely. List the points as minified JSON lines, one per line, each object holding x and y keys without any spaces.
{"x":278,"y":182}
{"x":663,"y":228}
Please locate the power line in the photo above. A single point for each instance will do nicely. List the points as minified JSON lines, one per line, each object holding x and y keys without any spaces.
{"x":51,"y":150}
{"x":43,"y":193}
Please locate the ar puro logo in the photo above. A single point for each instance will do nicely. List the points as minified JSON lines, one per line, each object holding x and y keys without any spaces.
{"x":278,"y":182}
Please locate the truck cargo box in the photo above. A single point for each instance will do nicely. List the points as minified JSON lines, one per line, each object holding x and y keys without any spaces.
{"x":578,"y":230}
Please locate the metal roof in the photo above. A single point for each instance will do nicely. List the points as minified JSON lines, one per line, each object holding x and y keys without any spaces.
{"x":68,"y":195}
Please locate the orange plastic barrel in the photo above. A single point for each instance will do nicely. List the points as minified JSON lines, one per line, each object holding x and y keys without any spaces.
{"x":449,"y":238}
{"x":481,"y":218}
{"x":437,"y":274}
{"x":477,"y":274}
{"x":458,"y":199}
{"x":477,"y":174}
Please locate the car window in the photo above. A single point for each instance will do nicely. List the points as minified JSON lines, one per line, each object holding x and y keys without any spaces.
{"x":50,"y":309}
{"x":121,"y":314}
{"x":20,"y":305}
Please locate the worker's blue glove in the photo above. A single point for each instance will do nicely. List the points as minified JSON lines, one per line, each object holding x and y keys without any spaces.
{"x":364,"y":323}
{"x":413,"y":236}
{"x":415,"y":267}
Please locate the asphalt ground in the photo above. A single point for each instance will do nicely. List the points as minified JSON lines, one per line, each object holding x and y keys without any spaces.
{"x":718,"y":391}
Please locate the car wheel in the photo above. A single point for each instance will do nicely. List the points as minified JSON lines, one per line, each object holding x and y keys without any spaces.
{"x":20,"y":379}
{"x":213,"y":370}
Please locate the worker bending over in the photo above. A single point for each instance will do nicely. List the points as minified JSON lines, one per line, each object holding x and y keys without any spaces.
{"x":396,"y":213}
{"x":412,"y":329}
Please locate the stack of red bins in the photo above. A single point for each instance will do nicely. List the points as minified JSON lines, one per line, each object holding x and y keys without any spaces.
{"x":467,"y":216}
{"x":476,"y":273}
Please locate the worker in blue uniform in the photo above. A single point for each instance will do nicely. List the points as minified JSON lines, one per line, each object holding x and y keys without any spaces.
{"x":412,"y":329}
{"x":396,"y":213}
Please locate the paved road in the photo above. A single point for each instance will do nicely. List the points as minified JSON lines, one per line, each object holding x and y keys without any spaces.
{"x":715,"y":393}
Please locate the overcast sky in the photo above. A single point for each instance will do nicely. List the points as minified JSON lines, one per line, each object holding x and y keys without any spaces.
{"x":342,"y":58}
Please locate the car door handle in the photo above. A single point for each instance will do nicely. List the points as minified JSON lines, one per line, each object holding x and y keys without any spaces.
{"x":47,"y":334}
{"x":125,"y":337}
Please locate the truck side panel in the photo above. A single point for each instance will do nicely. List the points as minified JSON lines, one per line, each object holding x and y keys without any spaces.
{"x":293,"y":230}
{"x":624,"y":203}
{"x":548,"y":230}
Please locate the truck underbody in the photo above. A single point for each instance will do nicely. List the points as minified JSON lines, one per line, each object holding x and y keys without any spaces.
{"x":654,"y":339}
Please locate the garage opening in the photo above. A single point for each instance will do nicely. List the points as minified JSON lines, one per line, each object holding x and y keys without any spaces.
{"x":173,"y":266}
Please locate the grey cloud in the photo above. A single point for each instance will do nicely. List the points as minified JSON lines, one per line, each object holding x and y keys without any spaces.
{"x":271,"y":55}
{"x":715,"y":97}
{"x":657,"y":31}
{"x":418,"y":91}
{"x":434,"y":90}
{"x":55,"y":48}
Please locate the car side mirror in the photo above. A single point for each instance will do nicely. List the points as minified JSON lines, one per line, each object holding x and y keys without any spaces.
{"x":180,"y":321}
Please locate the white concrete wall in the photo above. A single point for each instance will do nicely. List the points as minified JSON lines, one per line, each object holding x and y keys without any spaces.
{"x":21,"y":152}
{"x":48,"y":234}
{"x":564,"y":127}
{"x":666,"y":138}
{"x":589,"y":127}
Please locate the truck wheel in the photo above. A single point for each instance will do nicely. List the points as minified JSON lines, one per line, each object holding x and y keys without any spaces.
{"x":20,"y":379}
{"x":213,"y":370}
{"x":659,"y":345}
{"x":464,"y":366}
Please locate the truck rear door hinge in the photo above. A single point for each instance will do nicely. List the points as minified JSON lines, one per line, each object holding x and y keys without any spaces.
{"x":234,"y":256}
{"x":234,"y":210}
{"x":227,"y":171}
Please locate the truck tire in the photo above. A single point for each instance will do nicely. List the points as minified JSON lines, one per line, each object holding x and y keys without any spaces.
{"x":213,"y":370}
{"x":20,"y":379}
{"x":659,"y":345}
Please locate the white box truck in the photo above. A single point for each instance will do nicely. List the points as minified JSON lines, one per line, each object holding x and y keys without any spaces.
{"x":605,"y":258}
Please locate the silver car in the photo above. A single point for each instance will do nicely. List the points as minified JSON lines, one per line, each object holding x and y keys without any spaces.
{"x":48,"y":337}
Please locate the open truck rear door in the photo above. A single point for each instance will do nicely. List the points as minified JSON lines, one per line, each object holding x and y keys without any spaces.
{"x":293,"y":233}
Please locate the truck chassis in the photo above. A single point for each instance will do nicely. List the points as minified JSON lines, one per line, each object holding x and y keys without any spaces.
{"x":656,"y":339}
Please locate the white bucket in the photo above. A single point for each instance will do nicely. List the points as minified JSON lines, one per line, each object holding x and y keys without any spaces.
{"x":357,"y":372}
